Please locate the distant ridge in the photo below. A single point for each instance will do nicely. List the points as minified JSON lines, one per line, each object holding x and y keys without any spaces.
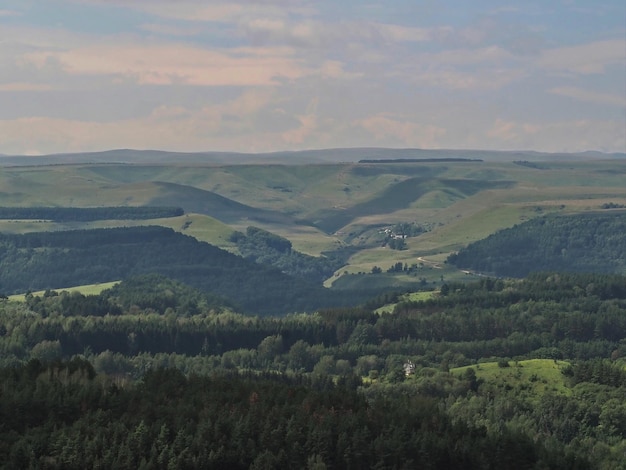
{"x":332,"y":155}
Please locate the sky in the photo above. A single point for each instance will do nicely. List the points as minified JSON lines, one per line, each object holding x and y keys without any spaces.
{"x":271,"y":75}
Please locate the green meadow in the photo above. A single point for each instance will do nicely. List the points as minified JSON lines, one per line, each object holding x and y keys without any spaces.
{"x":533,"y":377}
{"x":332,"y":206}
{"x":410,"y":297}
{"x":88,"y":289}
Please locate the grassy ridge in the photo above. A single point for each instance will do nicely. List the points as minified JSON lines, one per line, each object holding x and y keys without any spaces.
{"x":460,"y":202}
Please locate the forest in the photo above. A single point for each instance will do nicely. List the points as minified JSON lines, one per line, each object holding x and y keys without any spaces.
{"x":264,"y":247}
{"x":198,"y":358}
{"x":592,"y":242}
{"x":153,"y":373}
{"x":50,"y":260}
{"x":86,"y":214}
{"x":72,"y":419}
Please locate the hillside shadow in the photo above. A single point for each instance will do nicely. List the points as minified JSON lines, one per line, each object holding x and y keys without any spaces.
{"x":401,"y":196}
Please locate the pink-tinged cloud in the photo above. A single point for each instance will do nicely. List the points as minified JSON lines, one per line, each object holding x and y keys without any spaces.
{"x":24,"y":86}
{"x":177,"y":64}
{"x":229,"y":125}
{"x":6,"y":13}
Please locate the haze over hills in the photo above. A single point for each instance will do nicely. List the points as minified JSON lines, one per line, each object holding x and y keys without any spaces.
{"x":335,"y":155}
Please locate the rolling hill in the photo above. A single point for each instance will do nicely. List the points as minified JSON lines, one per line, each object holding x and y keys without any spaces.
{"x":324,"y":200}
{"x":577,"y":243}
{"x":209,"y":203}
{"x":53,"y":260}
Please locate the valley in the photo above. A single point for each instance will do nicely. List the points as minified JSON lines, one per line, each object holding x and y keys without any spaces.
{"x":330,"y":206}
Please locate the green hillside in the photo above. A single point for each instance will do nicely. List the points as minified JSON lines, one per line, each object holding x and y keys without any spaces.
{"x":52,"y":260}
{"x":207,"y":202}
{"x":324,"y":207}
{"x":402,"y":195}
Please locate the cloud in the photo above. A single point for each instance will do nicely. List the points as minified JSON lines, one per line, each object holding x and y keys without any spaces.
{"x":308,"y":124}
{"x":588,"y":96}
{"x":7,"y":13}
{"x":170,"y":30}
{"x":259,"y":75}
{"x":468,"y":56}
{"x":192,"y":11}
{"x":24,"y":86}
{"x":165,"y":64}
{"x":335,"y":35}
{"x":214,"y":11}
{"x":402,"y":132}
{"x":442,"y":77}
{"x":590,"y":58}
{"x":486,"y":68}
{"x":208,"y":127}
{"x":333,"y":69}
{"x":558,"y":136}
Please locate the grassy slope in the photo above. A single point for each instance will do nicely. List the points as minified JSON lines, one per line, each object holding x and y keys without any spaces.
{"x":534,"y":376}
{"x":412,"y":297}
{"x":88,"y":289}
{"x":458,"y":201}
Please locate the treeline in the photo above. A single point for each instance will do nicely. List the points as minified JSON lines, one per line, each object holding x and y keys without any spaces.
{"x":88,"y":214}
{"x":267,"y":248}
{"x":61,"y":415}
{"x":576,"y":243}
{"x":151,"y":292}
{"x":50,"y":260}
{"x":421,"y":160}
{"x":570,"y":317}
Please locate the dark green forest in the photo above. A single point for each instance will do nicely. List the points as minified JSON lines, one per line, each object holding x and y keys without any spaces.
{"x":86,"y":214}
{"x":69,"y":418}
{"x":202,"y":359}
{"x":156,"y":374}
{"x":593,"y":242}
{"x":264,"y":247}
{"x":49,"y":260}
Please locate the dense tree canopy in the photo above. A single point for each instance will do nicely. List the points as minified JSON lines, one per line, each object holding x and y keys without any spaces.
{"x":70,"y":419}
{"x":578,"y":243}
{"x":52,"y":260}
{"x":86,"y":214}
{"x":267,"y":248}
{"x":329,"y":389}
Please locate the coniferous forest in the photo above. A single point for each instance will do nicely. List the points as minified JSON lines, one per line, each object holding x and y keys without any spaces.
{"x":581,"y":243}
{"x":46,"y":260}
{"x":199,"y":358}
{"x":153,"y":373}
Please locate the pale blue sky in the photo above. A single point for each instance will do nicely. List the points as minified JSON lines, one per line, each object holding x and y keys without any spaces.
{"x":243,"y":75}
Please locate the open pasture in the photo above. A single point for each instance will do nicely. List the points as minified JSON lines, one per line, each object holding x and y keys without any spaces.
{"x":329,"y":206}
